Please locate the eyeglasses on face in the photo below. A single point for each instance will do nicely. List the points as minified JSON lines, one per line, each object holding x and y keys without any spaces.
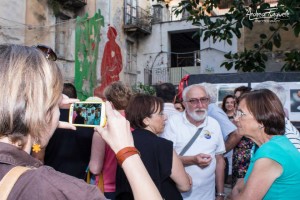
{"x":239,"y":114}
{"x":49,"y":53}
{"x":161,"y":114}
{"x":194,"y":101}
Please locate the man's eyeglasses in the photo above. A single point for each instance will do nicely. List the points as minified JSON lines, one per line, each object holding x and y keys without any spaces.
{"x":195,"y":102}
{"x":239,"y":114}
{"x":49,"y":53}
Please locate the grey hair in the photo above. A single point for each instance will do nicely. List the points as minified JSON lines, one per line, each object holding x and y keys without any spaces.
{"x":274,"y":87}
{"x":211,"y":91}
{"x":188,"y":88}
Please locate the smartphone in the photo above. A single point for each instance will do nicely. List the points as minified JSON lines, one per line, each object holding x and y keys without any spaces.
{"x":87,"y":114}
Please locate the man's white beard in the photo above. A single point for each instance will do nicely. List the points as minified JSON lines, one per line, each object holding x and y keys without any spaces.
{"x":198,"y":117}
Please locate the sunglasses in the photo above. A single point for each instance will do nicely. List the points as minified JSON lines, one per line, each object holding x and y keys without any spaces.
{"x":49,"y":53}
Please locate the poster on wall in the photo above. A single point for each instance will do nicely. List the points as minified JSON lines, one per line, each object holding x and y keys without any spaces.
{"x":292,"y":103}
{"x":225,"y":89}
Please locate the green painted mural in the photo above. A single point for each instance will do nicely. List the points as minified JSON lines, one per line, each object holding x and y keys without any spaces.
{"x":87,"y":38}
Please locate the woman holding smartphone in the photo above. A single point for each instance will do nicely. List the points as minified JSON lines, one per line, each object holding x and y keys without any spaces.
{"x":31,"y":86}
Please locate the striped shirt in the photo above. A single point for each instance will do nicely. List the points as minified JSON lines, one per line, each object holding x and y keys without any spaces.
{"x":292,"y":134}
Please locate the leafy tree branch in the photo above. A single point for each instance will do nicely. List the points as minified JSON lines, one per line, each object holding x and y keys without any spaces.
{"x":285,"y":16}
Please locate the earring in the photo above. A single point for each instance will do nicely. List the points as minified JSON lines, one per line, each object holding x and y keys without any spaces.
{"x":36,"y":147}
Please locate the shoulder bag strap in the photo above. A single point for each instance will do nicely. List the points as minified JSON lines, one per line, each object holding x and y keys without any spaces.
{"x":192,"y":140}
{"x":9,"y":180}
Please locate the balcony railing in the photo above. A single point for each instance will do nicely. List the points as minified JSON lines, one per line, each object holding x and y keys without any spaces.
{"x":176,"y":73}
{"x":187,"y":59}
{"x":137,"y":20}
{"x":172,"y":75}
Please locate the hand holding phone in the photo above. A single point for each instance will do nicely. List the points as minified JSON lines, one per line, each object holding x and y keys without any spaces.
{"x":116,"y":124}
{"x":87,"y":114}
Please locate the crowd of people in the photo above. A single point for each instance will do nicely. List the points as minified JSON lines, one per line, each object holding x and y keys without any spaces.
{"x":152,"y":147}
{"x":88,"y":114}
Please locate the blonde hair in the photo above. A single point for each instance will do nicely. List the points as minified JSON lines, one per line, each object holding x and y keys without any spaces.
{"x":118,"y":94}
{"x":30,"y":87}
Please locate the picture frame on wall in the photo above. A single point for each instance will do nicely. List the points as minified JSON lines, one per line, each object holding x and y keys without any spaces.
{"x":292,"y":103}
{"x":225,"y":89}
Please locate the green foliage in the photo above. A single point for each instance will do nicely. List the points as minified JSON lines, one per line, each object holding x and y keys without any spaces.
{"x":248,"y":61}
{"x":144,"y":89}
{"x":239,"y":16}
{"x":292,"y":61}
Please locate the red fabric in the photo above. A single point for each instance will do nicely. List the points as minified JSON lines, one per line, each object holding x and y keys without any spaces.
{"x":110,"y":167}
{"x":183,"y":82}
{"x":111,"y":65}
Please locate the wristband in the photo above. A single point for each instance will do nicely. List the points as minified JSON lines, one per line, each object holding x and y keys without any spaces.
{"x":221,"y":194}
{"x":124,"y":153}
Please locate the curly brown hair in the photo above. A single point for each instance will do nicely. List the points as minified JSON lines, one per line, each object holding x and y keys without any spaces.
{"x":118,"y":94}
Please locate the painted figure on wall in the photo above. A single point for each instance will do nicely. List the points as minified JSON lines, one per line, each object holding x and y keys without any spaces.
{"x":111,"y":65}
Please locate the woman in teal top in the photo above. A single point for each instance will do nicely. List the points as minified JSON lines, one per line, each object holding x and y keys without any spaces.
{"x":97,"y":118}
{"x":274,"y":171}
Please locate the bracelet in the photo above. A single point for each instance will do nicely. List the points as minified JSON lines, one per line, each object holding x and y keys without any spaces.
{"x":221,"y":194}
{"x":125,"y":153}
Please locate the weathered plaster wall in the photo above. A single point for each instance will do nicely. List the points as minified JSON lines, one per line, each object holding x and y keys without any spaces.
{"x":12,"y":13}
{"x":212,"y":55}
{"x":112,"y":12}
{"x":41,"y":18}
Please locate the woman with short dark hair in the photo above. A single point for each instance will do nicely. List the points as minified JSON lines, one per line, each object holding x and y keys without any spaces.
{"x":145,"y":114}
{"x":274,"y":170}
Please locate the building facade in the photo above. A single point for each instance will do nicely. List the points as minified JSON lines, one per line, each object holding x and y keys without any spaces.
{"x":156,"y":45}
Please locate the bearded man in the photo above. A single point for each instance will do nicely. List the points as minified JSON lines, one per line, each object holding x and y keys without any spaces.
{"x":203,"y":159}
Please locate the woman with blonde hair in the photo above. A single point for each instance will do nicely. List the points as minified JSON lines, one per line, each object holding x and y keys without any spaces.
{"x":31,"y":88}
{"x":31,"y":91}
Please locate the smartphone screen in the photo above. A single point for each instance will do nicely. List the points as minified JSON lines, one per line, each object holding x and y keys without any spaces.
{"x":88,"y":114}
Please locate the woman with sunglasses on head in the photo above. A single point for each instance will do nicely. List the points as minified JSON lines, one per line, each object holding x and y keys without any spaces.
{"x":31,"y":87}
{"x":274,"y":170}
